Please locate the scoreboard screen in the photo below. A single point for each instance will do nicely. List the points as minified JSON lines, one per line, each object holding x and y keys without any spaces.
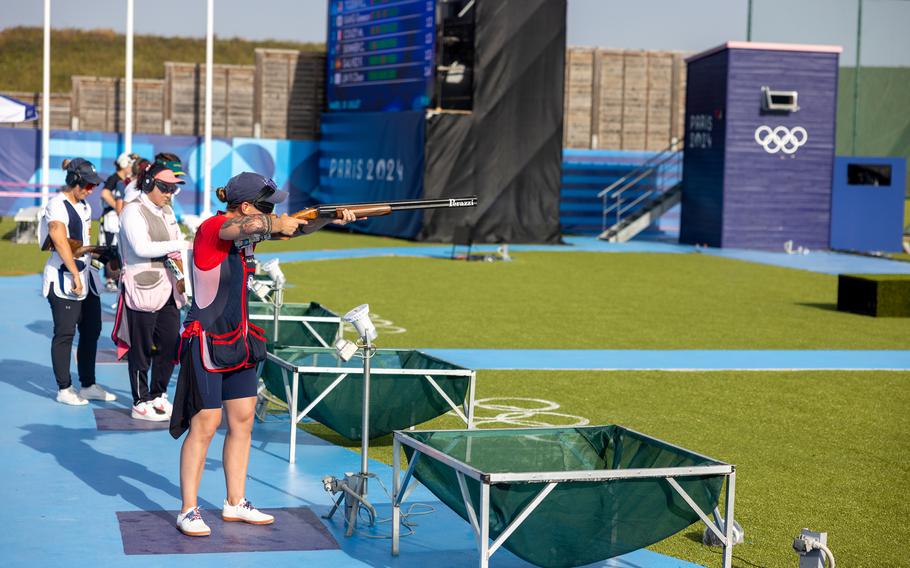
{"x":381,"y":54}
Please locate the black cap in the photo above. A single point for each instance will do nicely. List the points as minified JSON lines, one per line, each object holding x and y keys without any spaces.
{"x":84,"y":169}
{"x":249,"y":186}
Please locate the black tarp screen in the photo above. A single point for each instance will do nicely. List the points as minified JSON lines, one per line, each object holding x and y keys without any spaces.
{"x":508,"y":151}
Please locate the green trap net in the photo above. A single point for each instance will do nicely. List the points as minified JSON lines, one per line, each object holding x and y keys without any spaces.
{"x":591,"y":513}
{"x":406,"y":388}
{"x":309,"y":325}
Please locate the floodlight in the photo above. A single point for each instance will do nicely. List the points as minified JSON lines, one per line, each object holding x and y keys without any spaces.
{"x":261,"y":289}
{"x":359,"y":317}
{"x":345,"y":349}
{"x":274,"y":271}
{"x":353,"y":489}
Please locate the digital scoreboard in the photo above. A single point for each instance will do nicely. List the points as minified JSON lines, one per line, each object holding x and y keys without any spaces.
{"x":381,"y":54}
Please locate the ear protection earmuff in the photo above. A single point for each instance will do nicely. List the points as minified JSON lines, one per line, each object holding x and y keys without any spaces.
{"x":74,"y":178}
{"x":147,"y":180}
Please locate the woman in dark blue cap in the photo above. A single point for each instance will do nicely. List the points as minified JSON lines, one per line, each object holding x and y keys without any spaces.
{"x":72,"y":284}
{"x":221,"y":347}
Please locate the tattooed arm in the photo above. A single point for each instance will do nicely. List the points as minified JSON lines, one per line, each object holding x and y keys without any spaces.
{"x":246,"y":226}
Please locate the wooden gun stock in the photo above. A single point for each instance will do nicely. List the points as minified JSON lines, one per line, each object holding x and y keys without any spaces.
{"x":109,"y":253}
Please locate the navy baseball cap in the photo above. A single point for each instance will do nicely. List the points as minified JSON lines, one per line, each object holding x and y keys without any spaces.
{"x":84,"y":169}
{"x":251,"y":187}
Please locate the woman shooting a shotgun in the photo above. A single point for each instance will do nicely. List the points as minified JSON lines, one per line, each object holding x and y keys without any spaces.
{"x":220,"y":347}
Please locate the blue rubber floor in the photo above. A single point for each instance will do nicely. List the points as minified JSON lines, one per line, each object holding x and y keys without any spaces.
{"x":64,"y":480}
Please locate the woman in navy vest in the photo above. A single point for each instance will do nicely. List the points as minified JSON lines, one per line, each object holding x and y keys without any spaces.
{"x":72,"y":284}
{"x":220,"y":347}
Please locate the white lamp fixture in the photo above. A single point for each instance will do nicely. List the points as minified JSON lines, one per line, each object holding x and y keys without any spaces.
{"x":359,"y":317}
{"x":345,"y":349}
{"x":353,"y":487}
{"x":261,"y":289}
{"x":274,"y":271}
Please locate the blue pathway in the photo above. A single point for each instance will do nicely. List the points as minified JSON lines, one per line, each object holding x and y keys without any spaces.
{"x":673,"y":360}
{"x":824,"y":262}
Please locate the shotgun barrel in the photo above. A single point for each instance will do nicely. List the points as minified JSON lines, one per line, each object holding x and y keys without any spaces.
{"x":379,"y":208}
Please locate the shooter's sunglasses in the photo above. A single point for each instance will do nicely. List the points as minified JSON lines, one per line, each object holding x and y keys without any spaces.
{"x":260,"y":202}
{"x":166,"y":187}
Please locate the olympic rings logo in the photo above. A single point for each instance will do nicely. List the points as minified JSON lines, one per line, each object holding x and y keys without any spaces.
{"x":522,"y":412}
{"x":781,"y":138}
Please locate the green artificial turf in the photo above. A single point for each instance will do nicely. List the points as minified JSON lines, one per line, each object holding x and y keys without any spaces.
{"x":28,"y":259}
{"x":331,"y":239}
{"x":582,"y":300}
{"x":824,"y":450}
{"x":18,"y":259}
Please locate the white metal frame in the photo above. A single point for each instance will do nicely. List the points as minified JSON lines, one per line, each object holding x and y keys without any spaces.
{"x":306,"y":321}
{"x":480,"y":520}
{"x":290,"y":375}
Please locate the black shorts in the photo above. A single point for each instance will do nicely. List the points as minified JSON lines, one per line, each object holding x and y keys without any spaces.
{"x":215,"y":388}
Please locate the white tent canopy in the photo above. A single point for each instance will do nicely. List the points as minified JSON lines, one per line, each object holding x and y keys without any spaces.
{"x":12,"y":110}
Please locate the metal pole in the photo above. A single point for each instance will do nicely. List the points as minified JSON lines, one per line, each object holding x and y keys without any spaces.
{"x":128,"y":134}
{"x":46,"y":109}
{"x":729,"y":520}
{"x":483,"y":537}
{"x":749,"y":22}
{"x":292,"y":405}
{"x":365,"y":426}
{"x":396,"y":489}
{"x":859,"y":35}
{"x":277,"y":301}
{"x":207,"y":164}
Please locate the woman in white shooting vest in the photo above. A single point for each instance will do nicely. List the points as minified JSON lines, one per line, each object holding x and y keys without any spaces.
{"x":148,"y":313}
{"x":71,"y":283}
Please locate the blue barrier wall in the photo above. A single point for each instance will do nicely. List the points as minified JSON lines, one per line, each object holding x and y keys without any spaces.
{"x":867,"y":204}
{"x":373,"y":157}
{"x":292,"y":163}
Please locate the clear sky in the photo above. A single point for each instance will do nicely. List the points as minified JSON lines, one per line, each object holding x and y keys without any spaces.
{"x":688,"y":25}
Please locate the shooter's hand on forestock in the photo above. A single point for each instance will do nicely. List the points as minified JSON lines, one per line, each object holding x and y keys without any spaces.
{"x":347,"y":216}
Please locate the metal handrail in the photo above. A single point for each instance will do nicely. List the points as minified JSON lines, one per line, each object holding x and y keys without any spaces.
{"x":633,"y":178}
{"x":647,"y":165}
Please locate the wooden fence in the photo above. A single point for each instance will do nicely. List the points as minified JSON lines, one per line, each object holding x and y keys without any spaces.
{"x":623,"y":99}
{"x":290,"y":93}
{"x":614,"y":99}
{"x":232,"y":99}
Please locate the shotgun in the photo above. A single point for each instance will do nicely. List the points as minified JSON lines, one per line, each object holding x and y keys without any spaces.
{"x":364,"y":210}
{"x":379,"y":208}
{"x":111,"y":256}
{"x":106,"y":254}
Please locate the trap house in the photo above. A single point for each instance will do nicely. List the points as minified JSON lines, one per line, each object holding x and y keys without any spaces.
{"x":760,"y":126}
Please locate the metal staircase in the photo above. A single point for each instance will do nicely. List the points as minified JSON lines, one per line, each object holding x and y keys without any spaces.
{"x":638,"y":199}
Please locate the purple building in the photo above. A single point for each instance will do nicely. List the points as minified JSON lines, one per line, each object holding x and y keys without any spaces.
{"x":759,"y":154}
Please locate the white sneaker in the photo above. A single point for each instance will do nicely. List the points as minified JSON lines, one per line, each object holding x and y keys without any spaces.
{"x":190,"y":523}
{"x":95,"y":392}
{"x":70,"y":396}
{"x":147,"y":411}
{"x":246,"y":512}
{"x":162,"y":404}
